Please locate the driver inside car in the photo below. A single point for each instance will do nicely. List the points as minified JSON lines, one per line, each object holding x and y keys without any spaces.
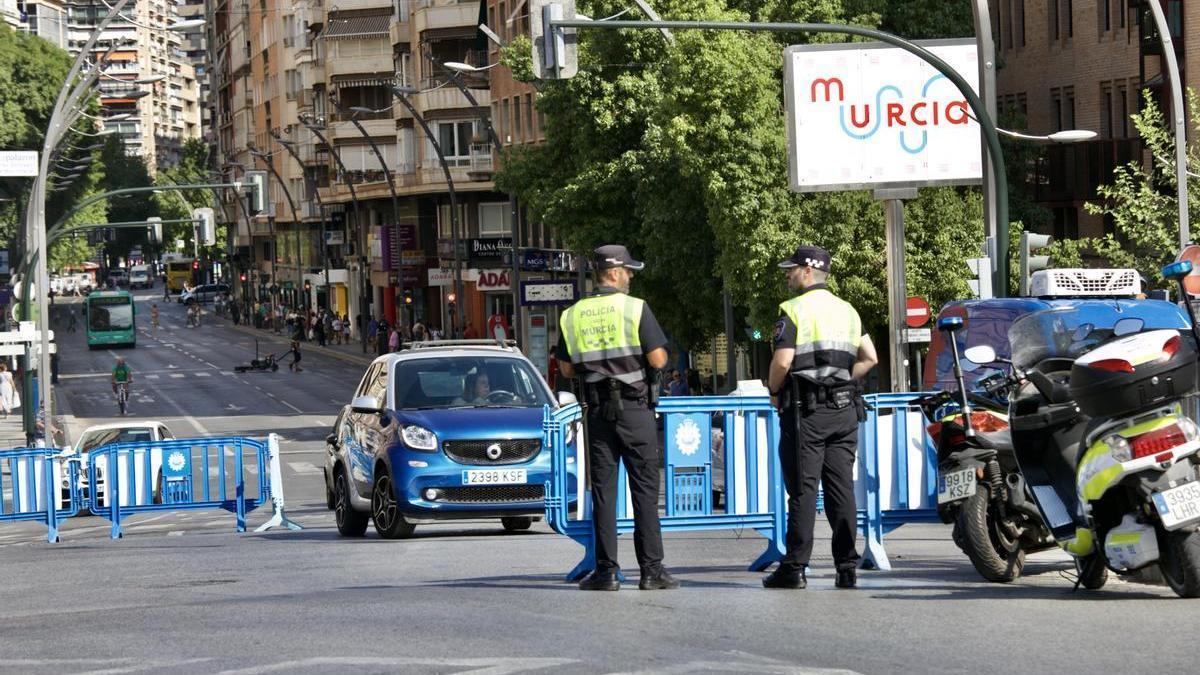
{"x":476,"y":389}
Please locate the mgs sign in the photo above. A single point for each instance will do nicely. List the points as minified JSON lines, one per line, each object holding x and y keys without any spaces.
{"x":862,"y":116}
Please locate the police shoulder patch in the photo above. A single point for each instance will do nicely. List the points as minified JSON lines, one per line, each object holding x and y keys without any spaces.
{"x":779,"y":326}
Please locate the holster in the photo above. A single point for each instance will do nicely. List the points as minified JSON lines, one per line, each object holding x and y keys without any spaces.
{"x":654,"y":381}
{"x":606,"y":397}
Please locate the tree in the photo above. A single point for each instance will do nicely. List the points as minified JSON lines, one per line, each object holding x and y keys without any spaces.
{"x":193,"y":168}
{"x":679,"y":152}
{"x":1143,"y":202}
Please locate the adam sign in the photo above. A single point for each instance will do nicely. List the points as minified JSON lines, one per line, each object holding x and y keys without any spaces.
{"x":493,"y":280}
{"x":863,"y":116}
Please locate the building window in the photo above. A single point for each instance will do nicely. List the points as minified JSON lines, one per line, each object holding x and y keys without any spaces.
{"x":1052,"y":15}
{"x":1020,"y":23}
{"x":530,"y":131}
{"x":1069,"y":108}
{"x":1056,"y":109}
{"x":518,"y":132}
{"x":1106,"y":108}
{"x":1121,"y":11}
{"x":1070,"y":7}
{"x":455,"y":140}
{"x":1122,"y":113}
{"x":495,"y":219}
{"x":1105,"y":7}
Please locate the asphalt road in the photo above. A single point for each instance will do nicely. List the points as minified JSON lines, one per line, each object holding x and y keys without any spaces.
{"x":187,"y":594}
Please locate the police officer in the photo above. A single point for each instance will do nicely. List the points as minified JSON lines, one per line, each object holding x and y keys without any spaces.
{"x":610,"y":340}
{"x":821,"y":356}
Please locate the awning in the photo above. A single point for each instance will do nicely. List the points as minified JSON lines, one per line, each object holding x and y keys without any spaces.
{"x":357,"y":26}
{"x":378,"y":80}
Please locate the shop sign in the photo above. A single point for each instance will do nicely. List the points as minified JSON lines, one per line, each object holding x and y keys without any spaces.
{"x":493,"y":280}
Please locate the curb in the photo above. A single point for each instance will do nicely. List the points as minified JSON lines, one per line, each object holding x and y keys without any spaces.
{"x":308,"y":347}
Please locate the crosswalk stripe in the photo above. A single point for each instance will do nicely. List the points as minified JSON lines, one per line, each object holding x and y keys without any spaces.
{"x":304,"y":468}
{"x":203,"y":374}
{"x":177,"y":376}
{"x":150,"y":377}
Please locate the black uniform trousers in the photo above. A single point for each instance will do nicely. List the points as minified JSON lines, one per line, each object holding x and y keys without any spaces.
{"x":825,"y":450}
{"x":632,"y":438}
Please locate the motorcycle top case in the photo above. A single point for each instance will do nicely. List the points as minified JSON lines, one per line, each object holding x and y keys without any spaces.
{"x":1132,"y":373}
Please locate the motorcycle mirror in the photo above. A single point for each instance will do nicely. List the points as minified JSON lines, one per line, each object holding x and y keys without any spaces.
{"x":950,"y":324}
{"x":1177,"y":270}
{"x":980,"y":354}
{"x":1128,"y":326}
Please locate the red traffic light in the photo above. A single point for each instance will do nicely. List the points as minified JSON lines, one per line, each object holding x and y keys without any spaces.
{"x":450,"y":297}
{"x":243,"y":276}
{"x":195,"y":264}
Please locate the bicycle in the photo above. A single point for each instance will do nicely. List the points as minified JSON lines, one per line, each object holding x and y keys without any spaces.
{"x":122,"y":394}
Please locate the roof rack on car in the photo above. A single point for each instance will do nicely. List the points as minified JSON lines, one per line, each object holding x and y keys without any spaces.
{"x":429,"y":344}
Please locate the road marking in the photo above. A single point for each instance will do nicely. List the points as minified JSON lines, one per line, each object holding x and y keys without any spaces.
{"x":150,"y":377}
{"x":304,"y":468}
{"x":298,"y":411}
{"x":177,"y":376}
{"x":492,"y":666}
{"x":203,"y":374}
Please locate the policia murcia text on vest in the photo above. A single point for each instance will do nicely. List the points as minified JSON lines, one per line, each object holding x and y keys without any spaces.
{"x":821,"y":356}
{"x":612,"y":343}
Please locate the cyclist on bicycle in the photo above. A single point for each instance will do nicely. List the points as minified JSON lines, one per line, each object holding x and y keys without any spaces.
{"x":122,"y":375}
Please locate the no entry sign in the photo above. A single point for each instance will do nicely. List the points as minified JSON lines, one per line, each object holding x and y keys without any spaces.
{"x":916,"y":311}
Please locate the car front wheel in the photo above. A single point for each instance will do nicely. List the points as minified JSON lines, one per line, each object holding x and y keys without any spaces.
{"x":389,"y":522}
{"x":350,"y":523}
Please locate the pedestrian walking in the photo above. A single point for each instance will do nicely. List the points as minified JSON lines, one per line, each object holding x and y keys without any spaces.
{"x":372,"y":329}
{"x":153,"y":317}
{"x":346,"y":329}
{"x":166,"y":290}
{"x":294,"y":366}
{"x":381,"y":338}
{"x":821,"y":356}
{"x":337,"y":330}
{"x":394,"y":340}
{"x":8,"y":390}
{"x":74,"y":324}
{"x":610,"y":340}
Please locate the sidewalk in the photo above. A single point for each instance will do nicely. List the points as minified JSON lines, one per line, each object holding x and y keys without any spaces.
{"x":351,"y":352}
{"x":12,"y":435}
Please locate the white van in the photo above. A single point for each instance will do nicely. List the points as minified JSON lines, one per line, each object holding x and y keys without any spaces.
{"x":139,"y":276}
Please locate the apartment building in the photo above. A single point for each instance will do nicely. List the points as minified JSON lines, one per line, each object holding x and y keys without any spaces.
{"x":46,"y":19}
{"x":1085,"y":64}
{"x":168,"y":113}
{"x":194,"y":45}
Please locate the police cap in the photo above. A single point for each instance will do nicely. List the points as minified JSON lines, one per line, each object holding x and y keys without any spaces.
{"x":808,"y":256}
{"x":615,"y":255}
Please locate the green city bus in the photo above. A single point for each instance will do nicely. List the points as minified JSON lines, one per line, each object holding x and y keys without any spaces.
{"x":109,"y":316}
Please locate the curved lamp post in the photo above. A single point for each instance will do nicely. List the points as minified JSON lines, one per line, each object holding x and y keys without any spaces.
{"x":402,"y":93}
{"x":270,"y":162}
{"x":310,"y":123}
{"x":314,"y":193}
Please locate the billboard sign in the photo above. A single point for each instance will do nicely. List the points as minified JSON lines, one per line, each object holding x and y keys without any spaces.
{"x":870,"y":115}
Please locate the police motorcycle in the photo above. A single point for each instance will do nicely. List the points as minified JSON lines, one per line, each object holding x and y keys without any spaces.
{"x":980,"y":490}
{"x":1102,"y":440}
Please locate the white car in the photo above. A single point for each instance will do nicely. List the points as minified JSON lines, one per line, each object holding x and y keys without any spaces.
{"x":122,"y":432}
{"x":83,"y":282}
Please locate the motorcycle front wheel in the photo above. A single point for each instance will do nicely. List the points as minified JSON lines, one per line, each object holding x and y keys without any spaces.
{"x":996,"y":557}
{"x":1180,"y":562}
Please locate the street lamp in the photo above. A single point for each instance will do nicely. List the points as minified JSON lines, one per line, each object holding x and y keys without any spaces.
{"x":402,"y":93}
{"x":268,"y":159}
{"x":453,"y":69}
{"x":387,"y":176}
{"x":315,"y":194}
{"x":314,"y":126}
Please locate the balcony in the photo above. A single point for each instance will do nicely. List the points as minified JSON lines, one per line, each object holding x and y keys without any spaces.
{"x":375,"y":129}
{"x":450,"y":98}
{"x":380,"y":62}
{"x":349,"y":5}
{"x":432,"y":14}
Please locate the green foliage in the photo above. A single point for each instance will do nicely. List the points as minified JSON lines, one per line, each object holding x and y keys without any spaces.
{"x":680,"y":153}
{"x":515,"y":57}
{"x":1142,"y":201}
{"x":192,"y":169}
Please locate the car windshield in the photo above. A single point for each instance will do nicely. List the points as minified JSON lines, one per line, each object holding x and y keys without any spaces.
{"x":104,"y":437}
{"x":467,"y":381}
{"x":1071,"y":331}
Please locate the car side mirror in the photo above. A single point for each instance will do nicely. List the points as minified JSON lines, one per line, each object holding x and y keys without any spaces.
{"x":981,"y":354}
{"x":365,"y":404}
{"x":566,"y":398}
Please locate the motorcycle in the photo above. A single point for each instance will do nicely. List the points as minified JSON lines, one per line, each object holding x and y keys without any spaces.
{"x":980,"y":490}
{"x":267,"y":363}
{"x":1102,"y":440}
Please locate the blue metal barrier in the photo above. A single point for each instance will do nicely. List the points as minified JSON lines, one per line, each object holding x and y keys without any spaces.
{"x":34,"y":489}
{"x":897,"y":472}
{"x":754,"y":494}
{"x":182,"y":474}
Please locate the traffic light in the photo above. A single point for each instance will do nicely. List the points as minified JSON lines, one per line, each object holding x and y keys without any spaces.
{"x":207,"y":227}
{"x":307,"y":286}
{"x":256,"y":182}
{"x":408,"y":297}
{"x":195,"y":265}
{"x":155,"y":229}
{"x":981,"y":283}
{"x":243,"y":277}
{"x":555,"y":53}
{"x":450,"y":298}
{"x":1031,"y":263}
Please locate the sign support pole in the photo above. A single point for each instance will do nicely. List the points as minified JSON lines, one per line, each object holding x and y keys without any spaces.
{"x":893,"y":208}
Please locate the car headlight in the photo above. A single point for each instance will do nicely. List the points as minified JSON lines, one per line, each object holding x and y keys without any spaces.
{"x":1118,"y":447}
{"x":419,"y":438}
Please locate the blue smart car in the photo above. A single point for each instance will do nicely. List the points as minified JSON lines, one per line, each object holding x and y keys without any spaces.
{"x":440,"y":431}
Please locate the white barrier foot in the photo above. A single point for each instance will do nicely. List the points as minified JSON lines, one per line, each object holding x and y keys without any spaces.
{"x":278,"y":517}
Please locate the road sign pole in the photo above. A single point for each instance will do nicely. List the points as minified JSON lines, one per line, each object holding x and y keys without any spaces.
{"x":893,"y":207}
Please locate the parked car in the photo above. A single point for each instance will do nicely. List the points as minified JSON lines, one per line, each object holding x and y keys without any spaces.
{"x":100,"y":435}
{"x":83,"y":282}
{"x":118,"y":276}
{"x":204,"y":293}
{"x":452,"y":431}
